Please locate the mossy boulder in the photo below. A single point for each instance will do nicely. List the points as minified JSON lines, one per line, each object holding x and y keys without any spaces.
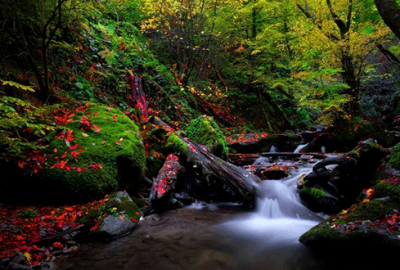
{"x":96,"y":150}
{"x":371,"y":223}
{"x":205,"y":131}
{"x":319,"y":200}
{"x":355,"y":171}
{"x":394,"y":160}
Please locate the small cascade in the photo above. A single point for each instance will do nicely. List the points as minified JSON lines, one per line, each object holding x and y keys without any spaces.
{"x":280,"y":216}
{"x":281,"y":199}
{"x":300,"y":147}
{"x":273,"y":149}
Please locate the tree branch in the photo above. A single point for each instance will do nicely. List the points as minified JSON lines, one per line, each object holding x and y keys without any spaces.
{"x":340,"y":24}
{"x":307,"y":13}
{"x":349,"y":14}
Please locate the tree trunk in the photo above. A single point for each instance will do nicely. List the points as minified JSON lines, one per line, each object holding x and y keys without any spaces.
{"x":390,"y":13}
{"x":349,"y":77}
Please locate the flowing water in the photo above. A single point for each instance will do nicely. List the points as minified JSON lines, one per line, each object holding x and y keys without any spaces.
{"x":226,"y":236}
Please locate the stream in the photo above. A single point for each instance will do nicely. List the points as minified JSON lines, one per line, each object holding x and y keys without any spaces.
{"x":217,"y":236}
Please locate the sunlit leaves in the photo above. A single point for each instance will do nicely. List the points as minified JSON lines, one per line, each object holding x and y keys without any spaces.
{"x":17,"y":85}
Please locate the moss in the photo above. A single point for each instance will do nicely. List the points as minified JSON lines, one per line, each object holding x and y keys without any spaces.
{"x":100,"y":162}
{"x":118,"y":203}
{"x":320,"y":234}
{"x":175,"y":144}
{"x":124,"y":205}
{"x":394,"y":160}
{"x":313,"y":192}
{"x":205,"y":131}
{"x":387,"y":190}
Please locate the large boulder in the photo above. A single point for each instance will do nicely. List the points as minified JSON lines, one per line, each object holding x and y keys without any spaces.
{"x":330,"y":190}
{"x":95,"y":150}
{"x":369,"y":225}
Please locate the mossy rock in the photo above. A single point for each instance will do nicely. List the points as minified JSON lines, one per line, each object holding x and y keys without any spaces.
{"x":117,"y":216}
{"x":335,"y":232}
{"x":99,"y":151}
{"x":324,"y":237}
{"x":205,"y":131}
{"x":320,"y":201}
{"x":394,"y":160}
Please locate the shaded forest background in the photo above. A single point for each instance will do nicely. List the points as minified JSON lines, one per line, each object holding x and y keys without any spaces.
{"x":252,"y":65}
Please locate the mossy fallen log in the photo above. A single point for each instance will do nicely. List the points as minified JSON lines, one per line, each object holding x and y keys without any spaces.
{"x":204,"y":176}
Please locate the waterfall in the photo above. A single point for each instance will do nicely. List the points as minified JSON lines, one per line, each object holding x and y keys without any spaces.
{"x":280,"y":216}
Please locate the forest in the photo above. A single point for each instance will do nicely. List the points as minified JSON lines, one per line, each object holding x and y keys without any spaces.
{"x":115,"y":114}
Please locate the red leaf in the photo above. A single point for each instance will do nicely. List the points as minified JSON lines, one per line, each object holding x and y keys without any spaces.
{"x":72,"y":147}
{"x":96,"y":128}
{"x":95,"y":226}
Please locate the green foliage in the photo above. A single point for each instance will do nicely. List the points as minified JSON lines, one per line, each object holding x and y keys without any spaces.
{"x":28,"y":214}
{"x":22,"y":126}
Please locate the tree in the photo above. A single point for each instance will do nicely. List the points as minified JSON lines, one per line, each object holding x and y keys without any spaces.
{"x":183,"y":32}
{"x":351,"y":38}
{"x":32,"y":26}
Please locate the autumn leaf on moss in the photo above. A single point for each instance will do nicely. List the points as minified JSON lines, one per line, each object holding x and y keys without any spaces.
{"x":96,"y":128}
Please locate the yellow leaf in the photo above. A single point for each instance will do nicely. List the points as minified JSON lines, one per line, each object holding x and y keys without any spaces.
{"x":85,"y":135}
{"x":18,"y":85}
{"x":28,"y":256}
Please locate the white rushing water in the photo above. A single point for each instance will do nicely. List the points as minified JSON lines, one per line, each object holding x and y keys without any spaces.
{"x":300,"y":147}
{"x":280,"y":217}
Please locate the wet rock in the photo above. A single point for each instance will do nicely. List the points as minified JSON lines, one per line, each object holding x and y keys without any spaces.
{"x":319,"y":200}
{"x":355,"y":171}
{"x":122,"y":217}
{"x":17,"y":262}
{"x":275,"y":172}
{"x":115,"y":226}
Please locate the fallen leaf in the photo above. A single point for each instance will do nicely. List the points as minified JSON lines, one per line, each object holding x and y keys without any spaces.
{"x":96,"y":128}
{"x":28,"y":256}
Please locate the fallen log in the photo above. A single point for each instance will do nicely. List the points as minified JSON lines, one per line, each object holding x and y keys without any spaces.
{"x":165,"y":187}
{"x":204,"y":176}
{"x":242,"y":159}
{"x":292,"y":155}
{"x":236,"y":180}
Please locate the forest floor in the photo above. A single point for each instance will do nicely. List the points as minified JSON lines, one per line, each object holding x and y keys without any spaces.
{"x":41,"y":232}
